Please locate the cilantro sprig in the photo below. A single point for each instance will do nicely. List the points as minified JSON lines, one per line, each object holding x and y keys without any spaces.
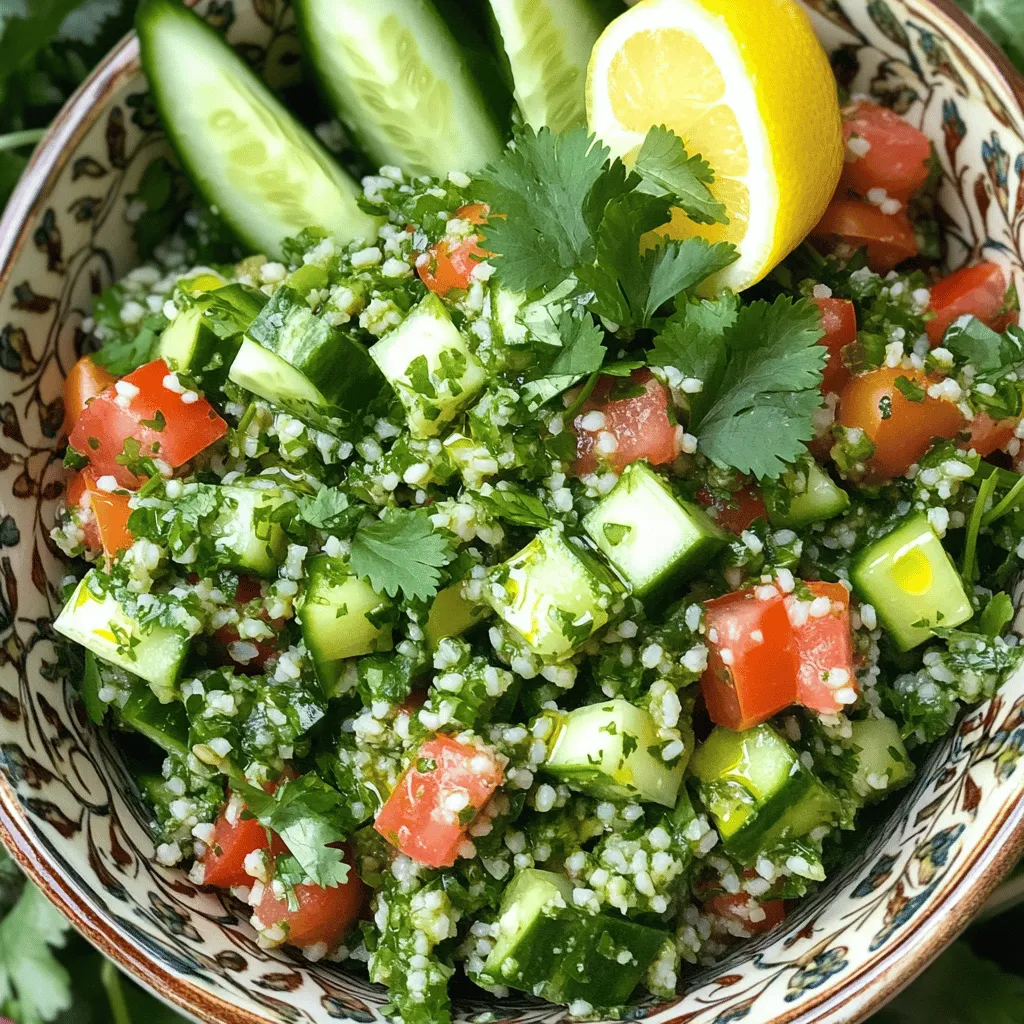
{"x":761,"y":368}
{"x":561,"y":208}
{"x":402,"y":552}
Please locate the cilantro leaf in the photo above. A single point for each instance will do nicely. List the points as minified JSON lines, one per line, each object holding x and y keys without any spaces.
{"x":664,"y":161}
{"x":305,"y":813}
{"x":581,"y":354}
{"x":763,"y":407}
{"x":29,"y":972}
{"x":517,"y":506}
{"x":327,"y":509}
{"x":402,"y":552}
{"x":539,"y":186}
{"x":125,"y":351}
{"x":629,"y":284}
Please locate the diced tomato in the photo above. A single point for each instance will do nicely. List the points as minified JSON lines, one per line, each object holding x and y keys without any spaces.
{"x":110,"y":510}
{"x":986,"y":435}
{"x":233,"y":841}
{"x":744,"y":911}
{"x":979,"y":291}
{"x":637,"y":427}
{"x":888,"y":237}
{"x":78,"y":498}
{"x":168,"y":425}
{"x":449,"y":268}
{"x":475,"y":213}
{"x":824,"y":647}
{"x":896,"y":157}
{"x":437,"y":798}
{"x":324,"y":916}
{"x":901,"y":430}
{"x":839,"y":321}
{"x":752,"y":671}
{"x":738,"y":512}
{"x":85,"y":381}
{"x":248,"y":589}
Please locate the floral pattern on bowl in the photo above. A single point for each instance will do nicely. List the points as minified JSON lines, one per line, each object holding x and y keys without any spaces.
{"x":68,"y":807}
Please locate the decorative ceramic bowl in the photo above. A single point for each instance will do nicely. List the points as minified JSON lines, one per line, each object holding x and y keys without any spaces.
{"x":68,"y":807}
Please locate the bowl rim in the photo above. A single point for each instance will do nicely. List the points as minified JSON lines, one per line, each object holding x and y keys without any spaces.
{"x":862,"y":992}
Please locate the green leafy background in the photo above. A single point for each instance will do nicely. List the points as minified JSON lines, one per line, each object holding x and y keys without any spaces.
{"x":47,"y":973}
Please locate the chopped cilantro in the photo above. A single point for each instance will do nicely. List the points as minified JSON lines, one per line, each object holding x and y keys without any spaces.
{"x":517,"y":506}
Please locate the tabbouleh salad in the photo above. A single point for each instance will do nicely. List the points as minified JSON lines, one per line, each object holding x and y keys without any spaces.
{"x":481,"y":587}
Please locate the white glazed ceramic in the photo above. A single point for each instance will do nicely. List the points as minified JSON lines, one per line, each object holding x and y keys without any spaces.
{"x":67,"y":807}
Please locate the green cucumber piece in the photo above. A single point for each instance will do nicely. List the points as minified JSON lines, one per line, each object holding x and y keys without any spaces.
{"x":757,"y":791}
{"x":911,"y":582}
{"x":883,"y":764}
{"x":92,"y":683}
{"x":554,"y":594}
{"x":806,"y":494}
{"x":166,"y":725}
{"x":300,"y":363}
{"x":612,"y":751}
{"x":341,"y":617}
{"x":428,"y":362}
{"x":260,"y":170}
{"x":548,"y":45}
{"x":400,"y":83}
{"x":204,"y":339}
{"x":451,"y":615}
{"x":97,"y":621}
{"x":651,"y":537}
{"x":245,"y":538}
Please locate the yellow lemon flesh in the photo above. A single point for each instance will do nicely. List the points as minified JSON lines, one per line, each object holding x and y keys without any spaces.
{"x":746,"y":84}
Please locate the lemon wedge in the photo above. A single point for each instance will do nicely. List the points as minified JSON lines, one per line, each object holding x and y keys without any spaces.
{"x":746,"y":84}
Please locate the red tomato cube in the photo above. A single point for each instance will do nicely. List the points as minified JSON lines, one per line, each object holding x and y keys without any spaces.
{"x":839,"y":322}
{"x":888,"y":238}
{"x":884,"y":150}
{"x":826,"y":681}
{"x":436,"y":800}
{"x":110,"y":510}
{"x":324,"y":916}
{"x":743,"y":915}
{"x":752,"y":668}
{"x":624,"y":430}
{"x":736,"y":513}
{"x":169,"y":423}
{"x":977,"y":291}
{"x":234,"y":838}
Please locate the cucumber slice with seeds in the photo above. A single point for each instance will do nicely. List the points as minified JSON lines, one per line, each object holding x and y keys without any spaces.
{"x":399,"y":82}
{"x":548,"y":44}
{"x":246,"y":154}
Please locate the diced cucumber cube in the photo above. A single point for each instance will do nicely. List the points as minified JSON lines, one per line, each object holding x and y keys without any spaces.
{"x":554,"y":594}
{"x":805,"y":494}
{"x":431,"y":367}
{"x":612,"y":751}
{"x":912,"y":584}
{"x":757,"y":791}
{"x":883,"y":764}
{"x":97,"y":621}
{"x":166,"y":725}
{"x":651,"y":537}
{"x":547,"y":947}
{"x":331,"y":374}
{"x":451,"y":615}
{"x":244,"y":535}
{"x":341,"y":617}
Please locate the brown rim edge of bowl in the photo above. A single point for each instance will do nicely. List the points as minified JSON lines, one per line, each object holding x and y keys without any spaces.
{"x":871,"y":988}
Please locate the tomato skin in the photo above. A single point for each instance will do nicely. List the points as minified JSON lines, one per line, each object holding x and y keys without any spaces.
{"x":415,"y":819}
{"x":111,"y":512}
{"x":78,"y":497}
{"x":901,"y":439}
{"x":475,"y":213}
{"x":103,"y":427}
{"x":640,"y":426}
{"x":979,"y":291}
{"x":735,"y":907}
{"x":324,"y":915}
{"x":823,"y":644}
{"x":889,"y":238}
{"x":898,"y":158}
{"x":85,"y":382}
{"x":447,"y":268}
{"x":232,"y":842}
{"x":839,"y":322}
{"x":748,"y":679}
{"x":986,"y":435}
{"x":737,"y":513}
